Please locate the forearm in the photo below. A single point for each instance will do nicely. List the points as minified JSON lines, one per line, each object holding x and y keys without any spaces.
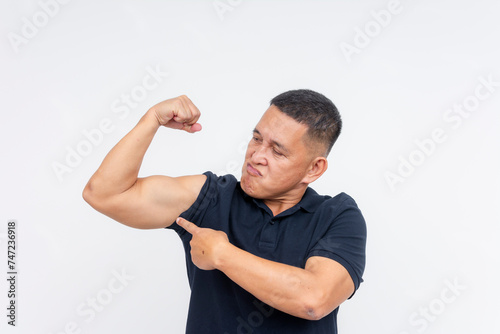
{"x":287,"y":288}
{"x":120,"y":168}
{"x":310,"y":293}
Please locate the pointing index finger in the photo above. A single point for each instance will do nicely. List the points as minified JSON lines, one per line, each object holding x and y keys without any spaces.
{"x":187,"y":225}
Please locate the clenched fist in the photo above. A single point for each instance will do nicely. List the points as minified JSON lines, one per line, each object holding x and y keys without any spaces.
{"x":178,"y":113}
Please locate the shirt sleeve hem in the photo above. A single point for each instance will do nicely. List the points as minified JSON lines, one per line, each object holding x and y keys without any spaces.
{"x":190,"y":213}
{"x":355,"y":278}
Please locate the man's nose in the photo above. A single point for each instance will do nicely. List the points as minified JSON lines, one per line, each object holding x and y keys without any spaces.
{"x":259,"y":156}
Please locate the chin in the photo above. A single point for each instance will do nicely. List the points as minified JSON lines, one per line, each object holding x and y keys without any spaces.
{"x":244,"y":184}
{"x":247,"y":187}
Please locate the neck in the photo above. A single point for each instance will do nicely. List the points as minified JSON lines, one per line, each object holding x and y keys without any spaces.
{"x":278,"y":205}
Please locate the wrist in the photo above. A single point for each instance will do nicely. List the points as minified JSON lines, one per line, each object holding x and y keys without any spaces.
{"x":152,"y":119}
{"x":225,"y":253}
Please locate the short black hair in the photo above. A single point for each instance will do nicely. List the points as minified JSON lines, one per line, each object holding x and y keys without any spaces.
{"x":314,"y":110}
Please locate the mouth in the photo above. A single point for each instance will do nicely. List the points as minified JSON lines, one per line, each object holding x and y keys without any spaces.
{"x":252,"y":171}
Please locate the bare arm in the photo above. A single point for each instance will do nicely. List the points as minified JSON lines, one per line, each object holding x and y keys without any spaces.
{"x":152,"y":202}
{"x":309,"y":293}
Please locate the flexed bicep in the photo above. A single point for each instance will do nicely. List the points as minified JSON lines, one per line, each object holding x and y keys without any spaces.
{"x":153,"y":202}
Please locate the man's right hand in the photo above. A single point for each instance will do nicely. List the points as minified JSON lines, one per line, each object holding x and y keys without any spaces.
{"x":177,"y":113}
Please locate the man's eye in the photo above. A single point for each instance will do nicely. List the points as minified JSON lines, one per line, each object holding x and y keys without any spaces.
{"x":279,"y":154}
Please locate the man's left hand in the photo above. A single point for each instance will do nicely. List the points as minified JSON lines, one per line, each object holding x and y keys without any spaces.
{"x":207,"y":245}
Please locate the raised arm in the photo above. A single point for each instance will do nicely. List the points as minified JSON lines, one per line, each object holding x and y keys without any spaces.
{"x":152,"y":202}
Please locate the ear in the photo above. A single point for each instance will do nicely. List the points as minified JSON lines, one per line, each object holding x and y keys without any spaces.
{"x":317,"y":167}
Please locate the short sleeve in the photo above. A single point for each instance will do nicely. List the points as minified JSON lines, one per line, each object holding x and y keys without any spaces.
{"x":345,"y":238}
{"x":208,"y":196}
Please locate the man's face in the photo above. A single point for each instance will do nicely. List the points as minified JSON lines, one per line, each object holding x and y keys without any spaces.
{"x":277,"y":158}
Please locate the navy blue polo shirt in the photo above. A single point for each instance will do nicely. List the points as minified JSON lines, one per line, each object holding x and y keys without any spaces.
{"x":316,"y":226}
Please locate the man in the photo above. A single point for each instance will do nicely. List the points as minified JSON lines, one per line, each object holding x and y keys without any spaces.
{"x":266,"y":254}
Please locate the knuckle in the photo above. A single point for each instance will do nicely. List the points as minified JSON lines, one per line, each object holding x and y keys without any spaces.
{"x":178,"y":104}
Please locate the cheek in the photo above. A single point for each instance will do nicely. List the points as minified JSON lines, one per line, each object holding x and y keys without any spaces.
{"x":287,"y":172}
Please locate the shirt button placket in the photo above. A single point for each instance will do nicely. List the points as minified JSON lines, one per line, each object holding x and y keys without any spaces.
{"x":269,"y":233}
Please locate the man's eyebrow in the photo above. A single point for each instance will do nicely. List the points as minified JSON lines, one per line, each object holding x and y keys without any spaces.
{"x":280,"y":146}
{"x":274,"y":142}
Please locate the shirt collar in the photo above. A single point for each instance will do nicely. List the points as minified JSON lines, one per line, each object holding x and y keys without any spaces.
{"x":309,"y":203}
{"x":311,"y":200}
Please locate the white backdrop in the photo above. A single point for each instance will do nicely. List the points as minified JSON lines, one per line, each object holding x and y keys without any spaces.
{"x":417,"y":84}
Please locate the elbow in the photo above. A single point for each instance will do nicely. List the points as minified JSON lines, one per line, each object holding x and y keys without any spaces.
{"x":315,"y":308}
{"x":95,"y":199}
{"x":309,"y":302}
{"x":313,"y":313}
{"x":89,"y":195}
{"x":86,"y":192}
